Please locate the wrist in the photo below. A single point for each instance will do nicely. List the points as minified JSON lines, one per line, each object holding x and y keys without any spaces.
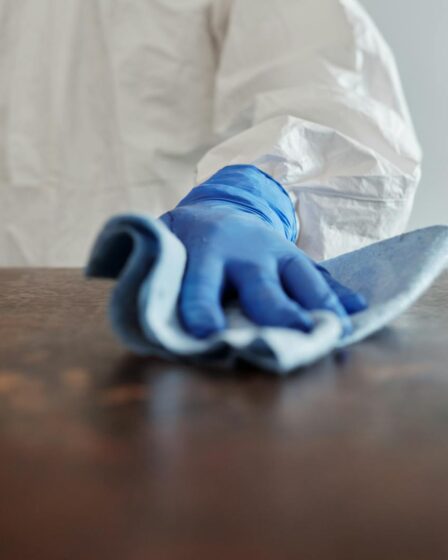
{"x":248,"y":188}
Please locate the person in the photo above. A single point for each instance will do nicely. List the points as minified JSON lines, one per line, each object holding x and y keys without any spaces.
{"x":290,"y":116}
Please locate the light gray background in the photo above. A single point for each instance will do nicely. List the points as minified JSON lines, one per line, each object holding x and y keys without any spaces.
{"x":417,"y":33}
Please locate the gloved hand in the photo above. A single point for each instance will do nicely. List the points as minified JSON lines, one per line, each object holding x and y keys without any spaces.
{"x":239,"y":230}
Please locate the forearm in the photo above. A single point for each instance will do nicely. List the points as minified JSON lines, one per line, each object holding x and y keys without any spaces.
{"x":323,"y":114}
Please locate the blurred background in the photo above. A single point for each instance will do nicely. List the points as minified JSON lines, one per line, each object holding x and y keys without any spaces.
{"x":417,"y":33}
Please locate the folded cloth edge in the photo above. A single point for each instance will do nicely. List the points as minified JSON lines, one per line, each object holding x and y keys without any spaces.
{"x":148,"y":262}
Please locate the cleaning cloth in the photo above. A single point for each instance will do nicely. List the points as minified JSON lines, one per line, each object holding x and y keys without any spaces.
{"x":148,"y":263}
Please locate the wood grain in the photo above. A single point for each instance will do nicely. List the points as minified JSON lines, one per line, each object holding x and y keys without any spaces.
{"x":106,"y":455}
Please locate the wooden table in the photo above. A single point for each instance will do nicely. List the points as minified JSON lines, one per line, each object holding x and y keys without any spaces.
{"x":106,"y":455}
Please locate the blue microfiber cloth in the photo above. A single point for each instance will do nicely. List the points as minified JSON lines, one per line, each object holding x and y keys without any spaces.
{"x":148,"y":262}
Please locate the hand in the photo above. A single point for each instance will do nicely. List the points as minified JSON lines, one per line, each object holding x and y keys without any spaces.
{"x":276,"y":283}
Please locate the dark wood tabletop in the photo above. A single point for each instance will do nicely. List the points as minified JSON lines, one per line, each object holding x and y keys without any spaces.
{"x":107,"y":455}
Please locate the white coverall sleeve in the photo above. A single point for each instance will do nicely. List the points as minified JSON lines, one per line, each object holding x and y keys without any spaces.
{"x":308,"y":91}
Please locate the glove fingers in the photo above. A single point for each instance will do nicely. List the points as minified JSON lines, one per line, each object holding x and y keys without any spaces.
{"x":352,"y":301}
{"x":264,"y":301}
{"x":200,"y":299}
{"x":309,"y":288}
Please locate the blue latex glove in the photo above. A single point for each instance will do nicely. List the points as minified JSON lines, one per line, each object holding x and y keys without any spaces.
{"x":239,"y":230}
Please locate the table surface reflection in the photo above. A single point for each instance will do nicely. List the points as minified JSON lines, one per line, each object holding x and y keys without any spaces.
{"x":107,"y":455}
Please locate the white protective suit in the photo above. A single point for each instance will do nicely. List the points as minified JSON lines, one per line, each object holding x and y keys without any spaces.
{"x":107,"y":106}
